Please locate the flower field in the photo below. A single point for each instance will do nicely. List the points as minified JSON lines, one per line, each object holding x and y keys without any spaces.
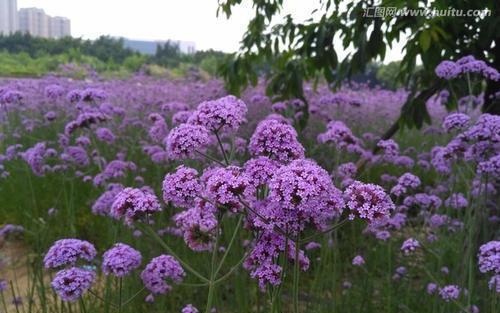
{"x":156,"y":195}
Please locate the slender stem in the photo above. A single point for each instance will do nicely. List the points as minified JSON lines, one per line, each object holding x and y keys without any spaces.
{"x":3,"y":301}
{"x":334,"y":227}
{"x":134,"y":296}
{"x":221,"y":147}
{"x":211,"y":285}
{"x":226,"y":253}
{"x":264,"y":219}
{"x":14,"y":296}
{"x":101,"y":299}
{"x":210,"y":158}
{"x":167,"y":247}
{"x":231,"y":271}
{"x":120,"y":290}
{"x":82,"y":303}
{"x":194,"y":285}
{"x":296,"y":273}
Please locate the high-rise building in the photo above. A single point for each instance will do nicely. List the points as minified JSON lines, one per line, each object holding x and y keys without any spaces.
{"x":8,"y":16}
{"x":59,"y":27}
{"x":34,"y":21}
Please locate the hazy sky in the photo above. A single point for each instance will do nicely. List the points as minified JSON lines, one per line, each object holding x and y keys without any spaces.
{"x":188,"y":20}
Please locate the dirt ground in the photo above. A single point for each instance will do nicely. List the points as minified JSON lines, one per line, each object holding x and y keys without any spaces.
{"x":13,"y":269}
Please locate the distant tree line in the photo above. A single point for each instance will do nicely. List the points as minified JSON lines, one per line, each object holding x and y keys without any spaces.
{"x":109,"y":50}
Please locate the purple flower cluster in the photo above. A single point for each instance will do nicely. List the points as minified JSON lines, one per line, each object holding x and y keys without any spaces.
{"x":456,"y":201}
{"x":190,"y":309}
{"x":449,"y":293}
{"x":102,"y":206}
{"x":262,"y":260}
{"x":368,"y":201}
{"x":455,"y":121}
{"x":85,"y":120}
{"x":226,"y":113}
{"x":70,"y":284}
{"x":405,"y":182}
{"x":409,"y":246}
{"x":184,"y":140}
{"x":120,"y":260}
{"x":276,"y":140}
{"x":181,"y":187}
{"x":160,"y":269}
{"x":35,"y":157}
{"x":340,"y":135}
{"x":468,"y":64}
{"x":489,"y":257}
{"x":225,"y":186}
{"x":260,"y":170}
{"x":198,"y":225}
{"x":133,"y":204}
{"x":67,"y":252}
{"x":300,"y":193}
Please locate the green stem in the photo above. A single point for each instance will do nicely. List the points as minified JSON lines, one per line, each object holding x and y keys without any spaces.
{"x":210,"y":158}
{"x":134,"y":296}
{"x":221,"y":147}
{"x":211,"y":284}
{"x":238,"y":225}
{"x":169,"y":250}
{"x":334,"y":227}
{"x":120,"y":291}
{"x":296,"y":273}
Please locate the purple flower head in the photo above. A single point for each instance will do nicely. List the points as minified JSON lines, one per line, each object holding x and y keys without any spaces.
{"x":490,"y":167}
{"x":340,"y":135}
{"x":190,"y":309}
{"x":50,"y":116}
{"x":93,"y":94}
{"x":449,"y":293}
{"x":494,"y":283}
{"x":159,"y":270}
{"x":276,"y":140}
{"x":262,"y":261}
{"x":35,"y":157}
{"x":133,"y":204}
{"x":368,"y":201}
{"x":303,"y":192}
{"x":185,"y":139}
{"x":447,"y":70}
{"x":347,"y":170}
{"x":489,"y":257}
{"x":455,"y":121}
{"x":54,"y":91}
{"x":456,"y":201}
{"x":159,"y":130}
{"x":358,"y":260}
{"x":226,"y":113}
{"x":409,"y":246}
{"x":120,"y":260}
{"x":389,"y":148}
{"x":10,"y":230}
{"x":67,"y":252}
{"x":102,"y":206}
{"x":76,"y":155}
{"x":181,"y":117}
{"x":198,"y":225}
{"x":432,"y":288}
{"x":105,"y":134}
{"x":226,"y":185}
{"x":182,"y":186}
{"x":70,"y":284}
{"x":260,"y":170}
